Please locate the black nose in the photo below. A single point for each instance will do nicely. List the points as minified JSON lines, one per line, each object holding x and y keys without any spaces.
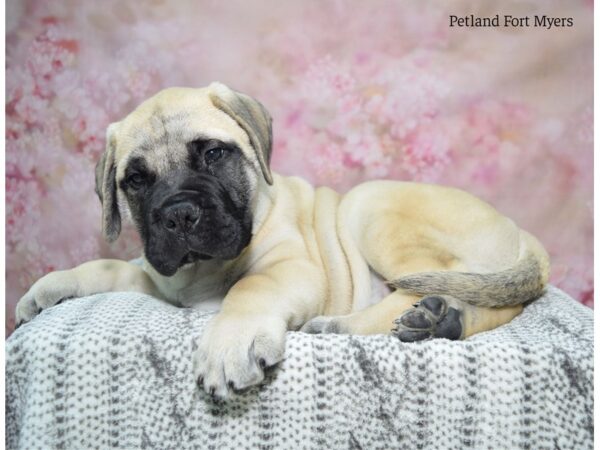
{"x":180,"y":217}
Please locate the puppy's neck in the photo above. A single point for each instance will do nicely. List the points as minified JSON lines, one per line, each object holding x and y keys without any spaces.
{"x":264,"y":201}
{"x":196,"y":283}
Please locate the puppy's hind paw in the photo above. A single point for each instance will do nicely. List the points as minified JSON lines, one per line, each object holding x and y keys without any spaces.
{"x":432,"y":317}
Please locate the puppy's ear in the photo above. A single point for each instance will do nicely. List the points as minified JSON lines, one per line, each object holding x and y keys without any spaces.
{"x":106,"y":187}
{"x":254,"y":119}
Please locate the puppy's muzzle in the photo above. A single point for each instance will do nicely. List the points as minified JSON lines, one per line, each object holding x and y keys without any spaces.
{"x":190,"y":219}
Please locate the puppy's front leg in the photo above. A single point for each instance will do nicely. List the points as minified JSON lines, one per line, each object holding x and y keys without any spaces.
{"x":92,"y":277}
{"x":248,"y":334}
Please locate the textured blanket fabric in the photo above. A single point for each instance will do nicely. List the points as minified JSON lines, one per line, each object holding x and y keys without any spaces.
{"x":115,"y":371}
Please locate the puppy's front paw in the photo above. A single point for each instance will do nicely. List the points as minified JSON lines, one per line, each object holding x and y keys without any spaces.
{"x":234,"y":351}
{"x":46,"y":292}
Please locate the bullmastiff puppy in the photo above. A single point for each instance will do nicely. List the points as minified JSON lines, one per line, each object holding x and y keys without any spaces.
{"x":190,"y":168}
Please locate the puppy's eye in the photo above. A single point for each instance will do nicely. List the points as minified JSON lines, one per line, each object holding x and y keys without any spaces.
{"x":213,"y":155}
{"x":135,"y":181}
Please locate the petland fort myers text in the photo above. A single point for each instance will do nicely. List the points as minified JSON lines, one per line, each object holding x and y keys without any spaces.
{"x":507,"y":20}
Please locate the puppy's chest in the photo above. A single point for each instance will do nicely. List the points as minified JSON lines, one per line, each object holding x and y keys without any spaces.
{"x":206,"y":293}
{"x":203,"y":291}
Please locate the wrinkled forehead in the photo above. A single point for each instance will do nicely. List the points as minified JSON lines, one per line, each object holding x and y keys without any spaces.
{"x":159,"y":131}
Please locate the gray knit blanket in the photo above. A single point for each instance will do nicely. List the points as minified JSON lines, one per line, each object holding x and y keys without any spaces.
{"x":115,"y":371}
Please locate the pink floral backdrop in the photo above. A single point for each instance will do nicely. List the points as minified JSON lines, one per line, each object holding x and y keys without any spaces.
{"x":358,"y":90}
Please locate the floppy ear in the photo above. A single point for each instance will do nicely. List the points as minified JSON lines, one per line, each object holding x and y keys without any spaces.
{"x":254,"y":119}
{"x":106,"y":187}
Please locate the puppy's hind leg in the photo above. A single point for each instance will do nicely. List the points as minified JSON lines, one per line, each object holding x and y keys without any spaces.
{"x":412,"y":319}
{"x":415,"y":317}
{"x":394,"y":250}
{"x":443,"y":316}
{"x":376,"y":319}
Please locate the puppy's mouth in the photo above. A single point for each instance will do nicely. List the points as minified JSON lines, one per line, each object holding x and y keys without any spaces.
{"x":168,"y":267}
{"x":167,"y":257}
{"x":193,"y":256}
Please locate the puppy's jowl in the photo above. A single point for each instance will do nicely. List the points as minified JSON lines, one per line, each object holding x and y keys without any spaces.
{"x":274,"y":253}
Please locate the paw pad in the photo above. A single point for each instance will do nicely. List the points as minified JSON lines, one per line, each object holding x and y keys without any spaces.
{"x":431,"y":317}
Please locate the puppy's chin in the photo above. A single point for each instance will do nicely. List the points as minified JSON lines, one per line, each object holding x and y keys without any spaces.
{"x":169,"y":266}
{"x":165,"y":268}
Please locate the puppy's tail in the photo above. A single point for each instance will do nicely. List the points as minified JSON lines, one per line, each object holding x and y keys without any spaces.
{"x":524,"y":281}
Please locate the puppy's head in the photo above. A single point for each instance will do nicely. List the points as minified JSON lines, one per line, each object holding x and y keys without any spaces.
{"x":187,"y":163}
